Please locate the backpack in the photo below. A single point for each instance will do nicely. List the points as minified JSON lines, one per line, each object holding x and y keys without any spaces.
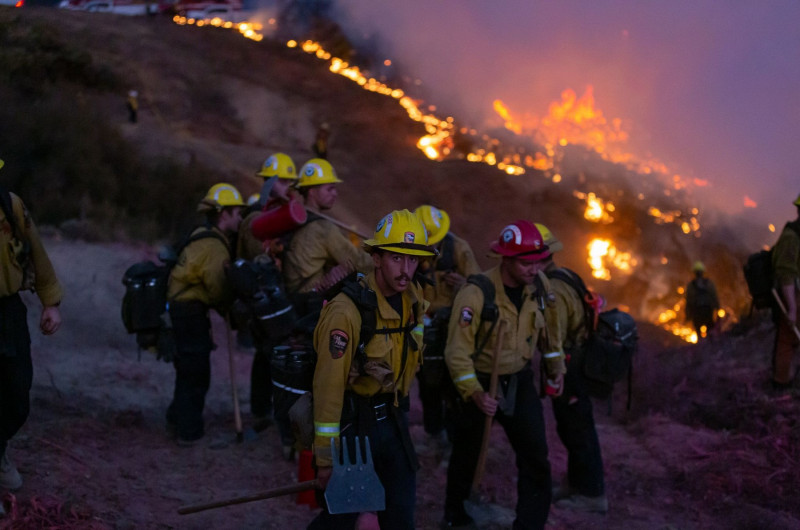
{"x":144,"y":304}
{"x":434,"y":370}
{"x":760,"y":276}
{"x":611,"y":341}
{"x":261,"y":299}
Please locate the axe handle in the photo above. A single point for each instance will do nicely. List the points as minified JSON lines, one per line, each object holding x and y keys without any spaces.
{"x":237,"y":414}
{"x":268,"y":494}
{"x":339,"y":224}
{"x":785,"y":313}
{"x":487,"y":426}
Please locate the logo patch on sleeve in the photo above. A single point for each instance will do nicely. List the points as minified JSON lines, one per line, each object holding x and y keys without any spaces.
{"x":338,"y":343}
{"x":466,"y":317}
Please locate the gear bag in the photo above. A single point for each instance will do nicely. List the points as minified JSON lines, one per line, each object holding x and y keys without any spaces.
{"x":611,"y":341}
{"x":434,"y":370}
{"x":261,"y":299}
{"x":144,"y":304}
{"x":760,"y":276}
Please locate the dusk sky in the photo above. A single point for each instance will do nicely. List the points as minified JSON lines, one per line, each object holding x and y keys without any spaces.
{"x":710,"y":88}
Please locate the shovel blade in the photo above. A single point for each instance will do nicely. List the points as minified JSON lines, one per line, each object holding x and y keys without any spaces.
{"x":354,"y":486}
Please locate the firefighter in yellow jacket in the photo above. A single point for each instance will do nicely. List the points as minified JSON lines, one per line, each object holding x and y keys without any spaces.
{"x":197,"y":283}
{"x":583,"y":488}
{"x":448,"y":272}
{"x":21,"y":254}
{"x":365,"y":392}
{"x":319,"y":248}
{"x":280,"y":174}
{"x":469,"y":355}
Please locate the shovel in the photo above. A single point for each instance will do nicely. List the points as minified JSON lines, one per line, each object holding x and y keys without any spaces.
{"x":354,"y":487}
{"x":241,"y":434}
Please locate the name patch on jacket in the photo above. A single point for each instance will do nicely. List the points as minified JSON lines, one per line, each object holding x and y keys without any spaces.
{"x":466,"y":317}
{"x":338,"y":343}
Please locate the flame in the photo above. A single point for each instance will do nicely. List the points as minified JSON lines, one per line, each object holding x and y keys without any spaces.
{"x":749,"y":203}
{"x":597,"y":210}
{"x":771,"y":227}
{"x":603,"y":254}
{"x":249,"y":30}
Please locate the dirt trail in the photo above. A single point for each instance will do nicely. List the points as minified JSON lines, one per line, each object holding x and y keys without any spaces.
{"x":96,"y":439}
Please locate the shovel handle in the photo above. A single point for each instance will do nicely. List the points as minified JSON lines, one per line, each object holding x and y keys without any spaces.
{"x":237,"y":414}
{"x":268,"y":494}
{"x":785,"y":313}
{"x":487,"y":426}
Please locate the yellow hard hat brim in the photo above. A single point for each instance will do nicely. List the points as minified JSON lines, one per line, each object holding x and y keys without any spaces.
{"x":401,"y":248}
{"x":796,"y":201}
{"x":443,"y":230}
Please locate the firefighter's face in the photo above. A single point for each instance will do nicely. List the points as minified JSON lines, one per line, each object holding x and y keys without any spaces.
{"x":280,"y":189}
{"x":394,"y":272}
{"x":324,"y":196}
{"x":521,"y":272}
{"x":230,"y":218}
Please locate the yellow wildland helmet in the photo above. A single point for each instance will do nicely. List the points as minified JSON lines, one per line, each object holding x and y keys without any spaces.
{"x":436,"y":222}
{"x":698,"y":267}
{"x":549,"y":239}
{"x":278,"y":165}
{"x":220,"y":196}
{"x":402,"y":232}
{"x":2,"y":163}
{"x":316,"y":172}
{"x":796,"y":201}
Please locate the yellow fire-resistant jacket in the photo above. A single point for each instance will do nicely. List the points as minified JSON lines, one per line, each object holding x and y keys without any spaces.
{"x":335,"y":340}
{"x":442,"y":295}
{"x":520,"y":338}
{"x":566,"y":321}
{"x":199,"y":275}
{"x":46,"y":284}
{"x":316,"y":248}
{"x":249,"y":246}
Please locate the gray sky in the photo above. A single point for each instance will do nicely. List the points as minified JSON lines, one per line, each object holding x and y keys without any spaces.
{"x":710,"y":88}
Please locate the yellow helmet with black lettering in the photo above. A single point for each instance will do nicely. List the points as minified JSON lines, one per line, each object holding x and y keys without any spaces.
{"x":317,"y":172}
{"x":402,"y":232}
{"x":220,"y":196}
{"x":436,"y":222}
{"x":549,"y":239}
{"x":278,"y":165}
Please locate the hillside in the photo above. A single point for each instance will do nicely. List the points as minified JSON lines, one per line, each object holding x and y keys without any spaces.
{"x":705,"y":445}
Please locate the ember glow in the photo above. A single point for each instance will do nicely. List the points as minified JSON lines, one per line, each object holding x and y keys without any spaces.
{"x":597,"y":210}
{"x":248,"y":30}
{"x":603,"y":256}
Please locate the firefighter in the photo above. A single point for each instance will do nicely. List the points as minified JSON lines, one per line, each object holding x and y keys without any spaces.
{"x":523,"y":254}
{"x":448,"y":271}
{"x":21,"y":254}
{"x":318,"y":250}
{"x":786,"y":264}
{"x":320,"y":145}
{"x":583,"y":488}
{"x":366,"y":394}
{"x":197,"y":283}
{"x":701,"y":301}
{"x":280,"y":174}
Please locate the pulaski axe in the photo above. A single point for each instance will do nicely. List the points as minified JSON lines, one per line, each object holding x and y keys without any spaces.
{"x":785,"y":313}
{"x":354,"y":486}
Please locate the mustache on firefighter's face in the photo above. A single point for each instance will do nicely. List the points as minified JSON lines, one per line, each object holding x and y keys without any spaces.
{"x":402,"y":277}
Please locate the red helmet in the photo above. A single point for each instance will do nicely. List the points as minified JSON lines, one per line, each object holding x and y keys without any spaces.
{"x":522,"y":240}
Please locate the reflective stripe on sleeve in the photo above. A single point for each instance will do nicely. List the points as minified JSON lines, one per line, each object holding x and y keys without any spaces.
{"x":465,"y":378}
{"x":418,"y":330}
{"x":553,"y":354}
{"x":328,"y":430}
